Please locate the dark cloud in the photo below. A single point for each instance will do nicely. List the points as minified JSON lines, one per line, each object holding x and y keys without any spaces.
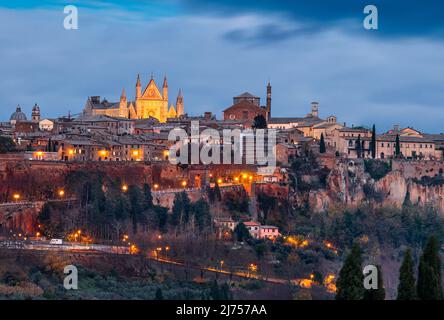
{"x":362,"y":79}
{"x":396,"y":17}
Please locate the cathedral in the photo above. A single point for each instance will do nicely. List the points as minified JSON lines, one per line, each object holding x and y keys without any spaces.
{"x":148,"y":103}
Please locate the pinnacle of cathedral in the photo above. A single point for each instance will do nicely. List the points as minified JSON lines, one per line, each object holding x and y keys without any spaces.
{"x":138,"y":81}
{"x":165,"y":83}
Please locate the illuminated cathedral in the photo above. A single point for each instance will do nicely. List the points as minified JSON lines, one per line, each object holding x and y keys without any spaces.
{"x":148,"y":103}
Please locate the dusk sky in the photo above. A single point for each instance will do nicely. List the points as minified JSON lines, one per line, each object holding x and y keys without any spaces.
{"x":309,"y":50}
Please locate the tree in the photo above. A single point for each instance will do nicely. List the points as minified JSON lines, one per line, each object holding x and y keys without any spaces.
{"x":322,"y":148}
{"x":6,"y":144}
{"x":217,"y":192}
{"x":159,"y":294}
{"x":225,"y":293}
{"x":148,"y":197}
{"x":429,"y":272}
{"x":373,"y":143}
{"x":358,"y":147}
{"x":215,"y":291}
{"x":259,"y":122}
{"x":406,"y":287}
{"x":397,"y":146}
{"x":350,"y":281}
{"x":260,"y":250}
{"x":241,"y":232}
{"x":181,"y":209}
{"x":135,"y":200}
{"x":379,"y":293}
{"x":202,"y":215}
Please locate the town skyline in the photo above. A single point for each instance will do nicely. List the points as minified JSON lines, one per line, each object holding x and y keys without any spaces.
{"x":200,"y":51}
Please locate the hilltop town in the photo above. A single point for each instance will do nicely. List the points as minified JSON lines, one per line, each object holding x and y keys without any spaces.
{"x":105,"y":176}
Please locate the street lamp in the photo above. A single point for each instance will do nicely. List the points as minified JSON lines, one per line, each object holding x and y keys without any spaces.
{"x":156,"y":186}
{"x":184,"y":183}
{"x":16,"y":196}
{"x":124,"y":188}
{"x":62,"y":193}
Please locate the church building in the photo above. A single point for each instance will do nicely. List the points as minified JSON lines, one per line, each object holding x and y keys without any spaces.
{"x":149,"y":103}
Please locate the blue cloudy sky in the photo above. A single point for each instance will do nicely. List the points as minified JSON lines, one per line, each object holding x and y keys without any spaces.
{"x":213,"y":50}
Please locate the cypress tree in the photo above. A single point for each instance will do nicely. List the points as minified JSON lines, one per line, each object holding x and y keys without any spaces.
{"x":215,"y":291}
{"x":429,"y":272}
{"x":159,"y":294}
{"x":322,"y":148}
{"x":359,"y":147}
{"x":373,"y":146}
{"x":148,"y":197}
{"x":350,"y":284}
{"x":379,"y":293}
{"x":397,"y":146}
{"x":406,"y":287}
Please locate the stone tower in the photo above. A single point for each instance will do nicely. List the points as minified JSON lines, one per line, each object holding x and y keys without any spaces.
{"x":179,"y":103}
{"x":123,"y":106}
{"x":268,"y":100}
{"x":315,"y":109}
{"x":35,"y":113}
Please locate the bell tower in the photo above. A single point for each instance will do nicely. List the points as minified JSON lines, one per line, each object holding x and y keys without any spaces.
{"x":268,"y":100}
{"x":35,"y":113}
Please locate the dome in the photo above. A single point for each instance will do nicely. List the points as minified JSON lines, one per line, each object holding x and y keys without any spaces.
{"x":18,"y":115}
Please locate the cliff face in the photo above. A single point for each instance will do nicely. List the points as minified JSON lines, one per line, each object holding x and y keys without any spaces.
{"x":349,"y":186}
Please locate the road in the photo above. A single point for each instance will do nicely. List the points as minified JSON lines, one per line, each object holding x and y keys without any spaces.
{"x":124,"y":250}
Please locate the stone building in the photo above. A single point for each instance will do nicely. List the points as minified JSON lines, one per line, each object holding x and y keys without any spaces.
{"x":247,"y":106}
{"x":149,"y":103}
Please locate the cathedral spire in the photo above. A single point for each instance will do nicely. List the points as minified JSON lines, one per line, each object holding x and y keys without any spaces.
{"x":165,"y":89}
{"x":179,"y":103}
{"x":138,"y":87}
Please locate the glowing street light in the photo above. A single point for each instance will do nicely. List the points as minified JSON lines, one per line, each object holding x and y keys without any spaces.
{"x":16,"y":196}
{"x":219,"y":181}
{"x":61,"y":193}
{"x":252,"y":267}
{"x":124,"y":188}
{"x":156,"y":186}
{"x":184,"y":184}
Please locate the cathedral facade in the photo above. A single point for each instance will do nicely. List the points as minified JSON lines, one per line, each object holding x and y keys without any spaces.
{"x":149,"y":103}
